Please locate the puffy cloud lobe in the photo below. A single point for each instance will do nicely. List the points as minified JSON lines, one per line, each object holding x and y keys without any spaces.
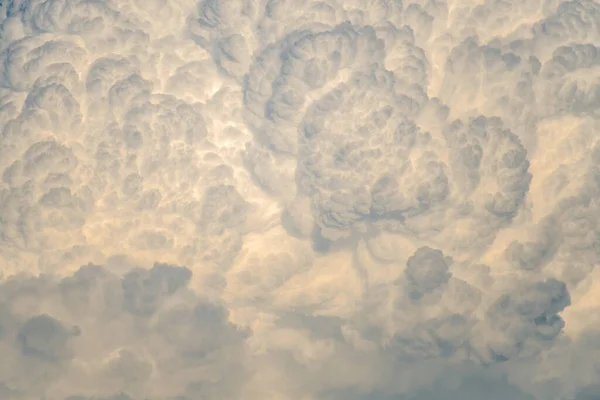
{"x":307,"y":63}
{"x":569,"y":91}
{"x":527,"y":314}
{"x":488,"y":149}
{"x":434,"y":312}
{"x":483,"y":69}
{"x":536,"y":254}
{"x":378,"y":150}
{"x":145,"y":289}
{"x":43,"y":337}
{"x":426,"y":270}
{"x":571,"y":21}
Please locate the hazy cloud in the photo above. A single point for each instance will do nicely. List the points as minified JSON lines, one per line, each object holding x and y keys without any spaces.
{"x":93,"y":332}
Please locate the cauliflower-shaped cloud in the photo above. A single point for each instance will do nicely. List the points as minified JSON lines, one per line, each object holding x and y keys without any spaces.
{"x":528,"y":314}
{"x":371,"y":199}
{"x":426,"y":270}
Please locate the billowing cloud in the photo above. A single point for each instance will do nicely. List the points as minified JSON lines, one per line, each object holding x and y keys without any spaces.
{"x":94,"y":333}
{"x":286,"y":199}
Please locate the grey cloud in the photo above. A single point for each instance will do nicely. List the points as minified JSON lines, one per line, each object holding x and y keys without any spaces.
{"x":566,"y":237}
{"x":170,"y":331}
{"x":523,"y":320}
{"x":573,"y":21}
{"x":53,"y":96}
{"x":56,"y":16}
{"x":233,"y":55}
{"x":32,"y":58}
{"x":536,"y":254}
{"x":589,"y":393}
{"x":567,"y":91}
{"x":297,"y":217}
{"x":319,"y":326}
{"x":144,"y":290}
{"x":435,"y":339}
{"x":534,"y":302}
{"x":106,"y":71}
{"x":485,"y":147}
{"x":220,"y":220}
{"x":45,"y":338}
{"x":426,"y":270}
{"x":483,"y":68}
{"x":306,"y":61}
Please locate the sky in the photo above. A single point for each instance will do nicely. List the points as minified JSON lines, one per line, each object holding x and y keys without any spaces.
{"x":299,"y":199}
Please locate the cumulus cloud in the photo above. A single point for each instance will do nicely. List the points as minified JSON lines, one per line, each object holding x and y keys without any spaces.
{"x":94,"y":334}
{"x":208,"y":199}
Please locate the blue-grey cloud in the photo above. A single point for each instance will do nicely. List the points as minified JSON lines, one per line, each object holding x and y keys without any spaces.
{"x":114,"y":334}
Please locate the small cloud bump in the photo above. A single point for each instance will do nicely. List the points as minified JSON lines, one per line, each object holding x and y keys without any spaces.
{"x":426,"y":270}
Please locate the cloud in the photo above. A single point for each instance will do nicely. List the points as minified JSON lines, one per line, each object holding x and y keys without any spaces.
{"x":529,"y":313}
{"x":145,"y":333}
{"x":426,"y":270}
{"x":298,"y":199}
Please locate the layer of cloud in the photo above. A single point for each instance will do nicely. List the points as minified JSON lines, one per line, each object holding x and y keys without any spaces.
{"x":97,"y":334}
{"x":289,"y":199}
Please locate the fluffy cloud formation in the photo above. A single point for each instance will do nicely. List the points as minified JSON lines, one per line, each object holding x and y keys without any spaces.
{"x":95,"y":333}
{"x":290,"y":199}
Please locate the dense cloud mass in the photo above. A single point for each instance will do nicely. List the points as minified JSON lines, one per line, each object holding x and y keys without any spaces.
{"x":95,"y":333}
{"x":299,"y":200}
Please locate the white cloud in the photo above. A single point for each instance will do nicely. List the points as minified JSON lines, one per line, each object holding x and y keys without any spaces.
{"x":371,"y":199}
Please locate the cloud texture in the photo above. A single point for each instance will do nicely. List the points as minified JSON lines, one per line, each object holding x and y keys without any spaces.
{"x":303,"y":200}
